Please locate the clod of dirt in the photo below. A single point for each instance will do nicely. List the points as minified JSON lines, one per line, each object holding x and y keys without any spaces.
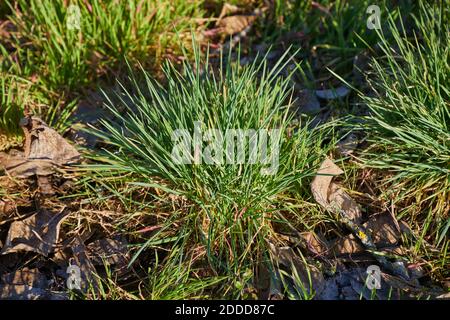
{"x":38,"y":233}
{"x":307,"y":102}
{"x":331,"y":94}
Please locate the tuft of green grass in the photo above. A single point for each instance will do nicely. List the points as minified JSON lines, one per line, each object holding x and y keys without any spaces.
{"x":408,"y":126}
{"x":69,"y":58}
{"x":17,"y":93}
{"x":12,"y":98}
{"x":410,"y":119}
{"x":231,"y":205}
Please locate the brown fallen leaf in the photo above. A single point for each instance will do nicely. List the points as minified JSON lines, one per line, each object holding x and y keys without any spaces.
{"x":315,"y":243}
{"x":322,"y":180}
{"x":45,"y":152}
{"x":7,"y":208}
{"x":347,"y":245}
{"x":25,"y":276}
{"x":235,"y":24}
{"x":329,"y":195}
{"x":38,"y":233}
{"x":383,"y":229}
{"x":25,"y":284}
{"x":338,"y":198}
{"x":18,"y":166}
{"x":384,"y":235}
{"x":44,"y":143}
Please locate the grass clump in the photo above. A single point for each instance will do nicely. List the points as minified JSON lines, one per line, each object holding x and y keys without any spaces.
{"x":69,"y":55}
{"x":410,"y":114}
{"x":409,"y":123}
{"x":231,"y":204}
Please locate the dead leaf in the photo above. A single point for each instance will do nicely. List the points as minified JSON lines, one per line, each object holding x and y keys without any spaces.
{"x":329,"y":195}
{"x":7,"y":207}
{"x":347,"y":245}
{"x":338,"y":198}
{"x":315,"y":243}
{"x":384,"y":235}
{"x":383,"y":230}
{"x":262,"y":282}
{"x":235,"y":24}
{"x":44,"y":148}
{"x":45,"y":153}
{"x":20,"y":167}
{"x":38,"y":233}
{"x":322,"y":180}
{"x":25,"y":284}
{"x":44,"y":143}
{"x":25,"y":276}
{"x":444,"y":296}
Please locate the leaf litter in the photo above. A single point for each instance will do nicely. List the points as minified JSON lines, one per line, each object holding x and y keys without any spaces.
{"x":379,"y":232}
{"x":35,"y":229}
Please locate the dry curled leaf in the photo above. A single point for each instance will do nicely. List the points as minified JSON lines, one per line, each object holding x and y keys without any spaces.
{"x":38,"y":233}
{"x":322,"y":180}
{"x":347,"y":245}
{"x":338,"y":198}
{"x":383,"y":229}
{"x":44,"y":143}
{"x":330,"y":195}
{"x":44,"y":149}
{"x":315,"y":243}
